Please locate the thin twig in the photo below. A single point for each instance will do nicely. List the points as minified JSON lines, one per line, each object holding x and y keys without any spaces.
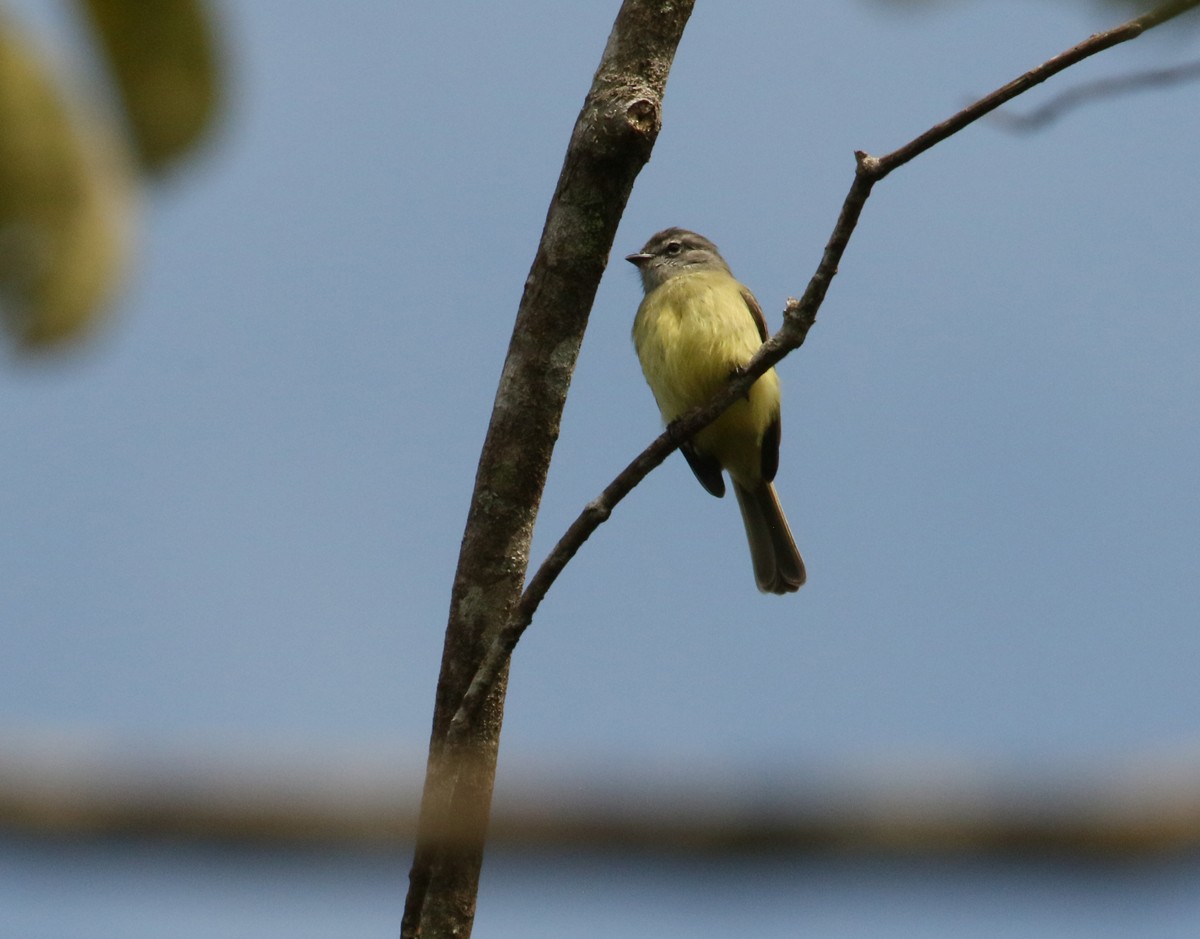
{"x":799,"y":316}
{"x":1099,"y":89}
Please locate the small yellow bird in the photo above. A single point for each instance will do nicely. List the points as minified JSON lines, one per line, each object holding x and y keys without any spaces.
{"x":696,"y":326}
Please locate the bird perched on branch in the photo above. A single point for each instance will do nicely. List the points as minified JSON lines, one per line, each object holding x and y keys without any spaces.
{"x":695,"y":327}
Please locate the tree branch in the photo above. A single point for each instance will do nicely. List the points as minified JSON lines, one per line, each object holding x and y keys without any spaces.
{"x":799,"y":317}
{"x":610,"y":143}
{"x":1099,"y":89}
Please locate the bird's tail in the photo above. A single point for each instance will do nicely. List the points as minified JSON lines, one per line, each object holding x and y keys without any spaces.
{"x":778,"y":567}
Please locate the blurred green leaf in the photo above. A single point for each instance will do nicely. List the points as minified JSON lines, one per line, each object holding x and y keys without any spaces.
{"x":163,"y":58}
{"x":66,"y":200}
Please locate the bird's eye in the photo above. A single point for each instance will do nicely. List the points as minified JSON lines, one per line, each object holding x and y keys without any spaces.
{"x":672,"y":249}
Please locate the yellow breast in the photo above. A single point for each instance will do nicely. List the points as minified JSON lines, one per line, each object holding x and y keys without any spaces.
{"x":690,"y":334}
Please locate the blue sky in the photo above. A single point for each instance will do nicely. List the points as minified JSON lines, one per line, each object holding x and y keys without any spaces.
{"x":235,"y":514}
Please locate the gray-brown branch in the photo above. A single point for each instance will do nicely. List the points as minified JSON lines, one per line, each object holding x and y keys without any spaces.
{"x":610,"y":143}
{"x":799,"y":316}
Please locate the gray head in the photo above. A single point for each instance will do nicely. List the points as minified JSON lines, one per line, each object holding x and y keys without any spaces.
{"x":675,"y":251}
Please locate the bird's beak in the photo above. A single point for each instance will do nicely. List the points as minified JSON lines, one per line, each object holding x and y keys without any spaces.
{"x":637,"y":260}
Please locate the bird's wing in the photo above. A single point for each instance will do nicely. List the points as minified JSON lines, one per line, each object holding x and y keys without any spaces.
{"x":756,"y":311}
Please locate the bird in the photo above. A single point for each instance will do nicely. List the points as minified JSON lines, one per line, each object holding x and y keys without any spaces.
{"x":697,"y":326}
